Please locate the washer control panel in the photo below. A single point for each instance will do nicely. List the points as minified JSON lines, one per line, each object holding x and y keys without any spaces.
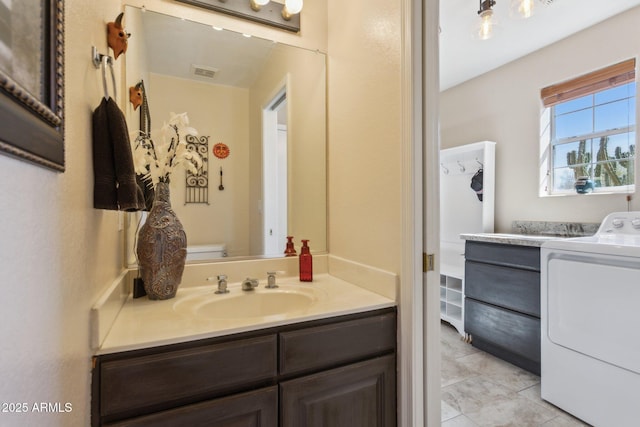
{"x":621,"y":223}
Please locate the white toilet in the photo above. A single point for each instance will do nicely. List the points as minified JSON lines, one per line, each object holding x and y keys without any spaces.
{"x":206,"y":252}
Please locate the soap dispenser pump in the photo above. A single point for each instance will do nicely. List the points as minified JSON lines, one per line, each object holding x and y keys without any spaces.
{"x":306,"y":263}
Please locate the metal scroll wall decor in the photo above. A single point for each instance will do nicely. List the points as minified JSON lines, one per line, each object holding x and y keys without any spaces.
{"x":198,"y":185}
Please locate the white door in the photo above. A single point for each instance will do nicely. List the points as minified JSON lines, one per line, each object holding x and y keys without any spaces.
{"x":274,"y":157}
{"x":431,"y":209}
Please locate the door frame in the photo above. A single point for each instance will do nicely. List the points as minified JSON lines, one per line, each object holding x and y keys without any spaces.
{"x":419,"y":297}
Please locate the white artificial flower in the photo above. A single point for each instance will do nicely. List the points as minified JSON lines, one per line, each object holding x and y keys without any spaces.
{"x":156,"y":159}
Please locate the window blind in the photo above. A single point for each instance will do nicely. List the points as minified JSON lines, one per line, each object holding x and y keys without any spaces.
{"x":614,"y":75}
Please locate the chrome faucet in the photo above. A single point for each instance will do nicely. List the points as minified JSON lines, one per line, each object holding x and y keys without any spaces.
{"x":249,"y":284}
{"x":271,"y":280}
{"x":222,"y":284}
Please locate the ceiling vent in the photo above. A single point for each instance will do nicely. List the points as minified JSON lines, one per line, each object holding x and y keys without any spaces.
{"x":547,"y":2}
{"x":203,"y":71}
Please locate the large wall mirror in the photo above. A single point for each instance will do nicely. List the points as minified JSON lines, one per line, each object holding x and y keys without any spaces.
{"x":266,"y":102}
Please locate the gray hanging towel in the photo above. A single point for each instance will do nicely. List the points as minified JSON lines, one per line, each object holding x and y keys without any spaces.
{"x":476,"y":184}
{"x":115,"y":186}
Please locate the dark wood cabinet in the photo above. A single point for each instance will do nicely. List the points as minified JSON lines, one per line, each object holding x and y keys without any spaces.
{"x":248,"y":379}
{"x":508,"y":287}
{"x":357,"y":395}
{"x":257,"y":408}
{"x":502,"y":301}
{"x":140,"y":383}
{"x":325,"y":346}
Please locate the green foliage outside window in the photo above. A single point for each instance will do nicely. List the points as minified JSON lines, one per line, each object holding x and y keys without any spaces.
{"x":607,"y":171}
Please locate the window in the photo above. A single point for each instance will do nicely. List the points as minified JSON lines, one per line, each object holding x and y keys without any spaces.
{"x":589,"y":131}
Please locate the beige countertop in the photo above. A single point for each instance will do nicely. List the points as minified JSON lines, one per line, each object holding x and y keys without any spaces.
{"x":142,"y":323}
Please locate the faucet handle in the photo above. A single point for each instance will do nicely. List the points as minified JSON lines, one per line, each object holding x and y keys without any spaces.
{"x":222,"y":284}
{"x":271,"y":280}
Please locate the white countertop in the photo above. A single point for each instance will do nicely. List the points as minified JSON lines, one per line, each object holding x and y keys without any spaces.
{"x":142,"y":323}
{"x":510,"y":239}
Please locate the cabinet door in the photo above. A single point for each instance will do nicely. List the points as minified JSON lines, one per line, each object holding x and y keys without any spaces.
{"x":358,"y":395}
{"x":253,"y":409}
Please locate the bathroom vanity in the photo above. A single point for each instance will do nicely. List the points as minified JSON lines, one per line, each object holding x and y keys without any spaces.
{"x":335,"y":371}
{"x":178,"y":362}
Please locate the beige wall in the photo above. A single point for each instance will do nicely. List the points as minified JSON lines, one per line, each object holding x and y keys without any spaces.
{"x":365,"y":131}
{"x":222,"y":113}
{"x":504,"y":106}
{"x":57,"y":252}
{"x":304,"y":72}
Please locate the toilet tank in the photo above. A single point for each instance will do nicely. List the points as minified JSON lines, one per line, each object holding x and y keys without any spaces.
{"x":205,"y":252}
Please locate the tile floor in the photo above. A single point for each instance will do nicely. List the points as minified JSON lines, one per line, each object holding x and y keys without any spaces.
{"x":480,"y":390}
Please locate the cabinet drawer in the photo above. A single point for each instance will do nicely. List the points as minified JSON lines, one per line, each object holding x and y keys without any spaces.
{"x":506,"y":287}
{"x":156,"y":381}
{"x":527,"y":257}
{"x":509,"y":331}
{"x":252,"y":409}
{"x":324,"y":346}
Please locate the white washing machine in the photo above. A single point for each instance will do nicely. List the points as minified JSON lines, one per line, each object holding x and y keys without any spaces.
{"x":590,"y":323}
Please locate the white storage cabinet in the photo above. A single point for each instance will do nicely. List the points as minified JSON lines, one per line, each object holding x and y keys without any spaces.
{"x":462,"y":212}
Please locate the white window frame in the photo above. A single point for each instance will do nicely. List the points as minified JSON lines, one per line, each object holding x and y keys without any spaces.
{"x":547,"y":144}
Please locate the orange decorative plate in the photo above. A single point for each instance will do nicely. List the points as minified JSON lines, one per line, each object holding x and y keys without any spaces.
{"x":220,"y":150}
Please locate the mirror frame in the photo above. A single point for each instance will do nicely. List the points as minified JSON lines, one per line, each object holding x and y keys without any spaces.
{"x":36,"y":133}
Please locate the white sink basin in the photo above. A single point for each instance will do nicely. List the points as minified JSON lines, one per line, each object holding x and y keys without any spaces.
{"x":258,"y":303}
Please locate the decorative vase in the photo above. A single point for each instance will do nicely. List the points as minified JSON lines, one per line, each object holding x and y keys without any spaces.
{"x":162,"y":248}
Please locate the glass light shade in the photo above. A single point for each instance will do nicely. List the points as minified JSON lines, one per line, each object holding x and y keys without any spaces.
{"x":293,"y":6}
{"x":261,"y":2}
{"x":485,"y":30}
{"x":521,"y":8}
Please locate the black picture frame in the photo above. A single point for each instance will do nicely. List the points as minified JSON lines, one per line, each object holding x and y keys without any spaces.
{"x":32,"y":129}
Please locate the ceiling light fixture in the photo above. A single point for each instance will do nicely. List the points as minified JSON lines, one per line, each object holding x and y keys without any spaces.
{"x":487,"y":22}
{"x":521,"y":8}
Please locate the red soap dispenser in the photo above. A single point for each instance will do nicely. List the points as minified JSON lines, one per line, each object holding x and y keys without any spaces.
{"x":306,"y":263}
{"x":290,"y":250}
